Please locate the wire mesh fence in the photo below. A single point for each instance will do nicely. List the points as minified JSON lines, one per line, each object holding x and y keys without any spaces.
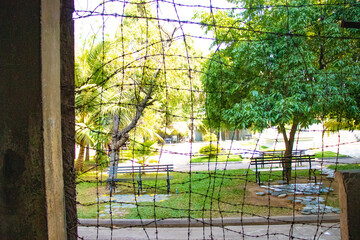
{"x":212,"y":115}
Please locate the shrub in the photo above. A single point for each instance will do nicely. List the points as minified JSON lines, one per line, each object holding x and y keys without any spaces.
{"x":210,"y":150}
{"x":142,"y":151}
{"x":210,"y":137}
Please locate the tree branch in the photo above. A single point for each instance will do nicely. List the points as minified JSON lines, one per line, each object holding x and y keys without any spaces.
{"x":139,"y":110}
{"x":119,"y":138}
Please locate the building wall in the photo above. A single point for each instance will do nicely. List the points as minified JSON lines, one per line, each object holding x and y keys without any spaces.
{"x":31,"y":181}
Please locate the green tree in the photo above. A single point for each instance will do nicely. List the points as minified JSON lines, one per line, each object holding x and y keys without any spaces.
{"x":282,"y":63}
{"x":84,"y":140}
{"x":135,"y":80}
{"x":156,"y":67}
{"x":88,"y":87}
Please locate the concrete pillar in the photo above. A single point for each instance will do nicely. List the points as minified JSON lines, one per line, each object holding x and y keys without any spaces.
{"x":68,"y":114}
{"x":349,"y":197}
{"x":31,"y":171}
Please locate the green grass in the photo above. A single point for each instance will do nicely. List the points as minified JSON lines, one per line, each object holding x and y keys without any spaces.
{"x":86,"y":195}
{"x":328,"y":154}
{"x":345,"y":166}
{"x":220,"y":158}
{"x":210,"y":194}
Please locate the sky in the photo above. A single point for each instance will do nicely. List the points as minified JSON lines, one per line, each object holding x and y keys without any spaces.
{"x":86,"y":27}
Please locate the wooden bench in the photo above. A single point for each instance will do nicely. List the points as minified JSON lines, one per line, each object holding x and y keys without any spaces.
{"x":260,"y":162}
{"x":138,"y":172}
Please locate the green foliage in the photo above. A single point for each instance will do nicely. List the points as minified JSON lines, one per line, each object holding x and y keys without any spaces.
{"x":341,"y":124}
{"x":269,"y":77}
{"x":210,"y":150}
{"x":113,"y":76}
{"x":210,"y":137}
{"x":143,"y":151}
{"x":282,"y":66}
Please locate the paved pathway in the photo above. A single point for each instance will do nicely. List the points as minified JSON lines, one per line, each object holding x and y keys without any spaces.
{"x":179,"y":155}
{"x":327,"y":231}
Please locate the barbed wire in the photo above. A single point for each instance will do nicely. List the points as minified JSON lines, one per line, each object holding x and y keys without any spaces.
{"x":153,"y":77}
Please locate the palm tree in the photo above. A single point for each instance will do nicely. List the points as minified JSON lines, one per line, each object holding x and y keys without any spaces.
{"x":89,"y":88}
{"x":83,"y":139}
{"x":122,"y":78}
{"x":87,"y":112}
{"x":143,"y":151}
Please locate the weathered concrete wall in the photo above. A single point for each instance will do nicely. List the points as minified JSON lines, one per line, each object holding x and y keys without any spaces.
{"x":31,"y":190}
{"x":22,"y":186}
{"x":349,"y":197}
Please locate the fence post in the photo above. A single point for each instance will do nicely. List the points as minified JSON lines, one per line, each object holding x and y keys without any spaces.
{"x":168,"y":179}
{"x":256,"y":171}
{"x":349,"y":197}
{"x":309,"y":167}
{"x":139,"y":181}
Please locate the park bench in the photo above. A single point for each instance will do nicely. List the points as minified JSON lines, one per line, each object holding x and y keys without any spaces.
{"x":137,"y":174}
{"x":261,"y":162}
{"x":281,"y":153}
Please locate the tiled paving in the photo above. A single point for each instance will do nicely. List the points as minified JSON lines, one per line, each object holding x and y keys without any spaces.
{"x":302,"y":193}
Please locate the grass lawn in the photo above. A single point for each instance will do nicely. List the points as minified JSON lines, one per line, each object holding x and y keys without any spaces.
{"x":345,"y":166}
{"x":199,"y":194}
{"x":219,"y":158}
{"x":328,"y":154}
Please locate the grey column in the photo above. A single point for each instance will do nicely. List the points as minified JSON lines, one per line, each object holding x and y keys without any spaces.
{"x":349,"y":197}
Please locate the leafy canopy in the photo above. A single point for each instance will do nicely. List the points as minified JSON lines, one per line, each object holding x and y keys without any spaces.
{"x":283,"y":62}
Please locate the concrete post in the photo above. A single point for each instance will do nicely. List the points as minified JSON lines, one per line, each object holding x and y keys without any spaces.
{"x":349,"y":196}
{"x":68,"y":114}
{"x":31,"y":170}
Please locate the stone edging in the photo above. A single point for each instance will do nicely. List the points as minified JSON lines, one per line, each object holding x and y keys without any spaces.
{"x":278,"y":220}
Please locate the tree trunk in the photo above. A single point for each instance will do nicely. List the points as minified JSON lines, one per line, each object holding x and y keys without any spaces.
{"x":87,"y":155}
{"x":114,"y":154}
{"x":289,"y":143}
{"x":80,"y":160}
